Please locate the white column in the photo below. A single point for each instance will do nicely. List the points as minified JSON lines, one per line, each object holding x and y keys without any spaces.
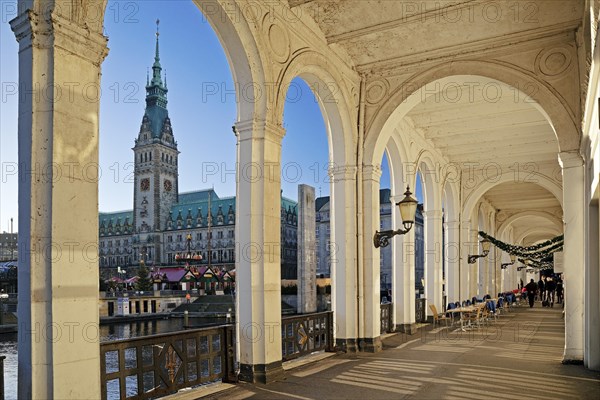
{"x":432,"y":221}
{"x":369,"y":285}
{"x":574,"y":250}
{"x":474,"y":275}
{"x":451,"y":250}
{"x":592,"y":291}
{"x":258,"y":265}
{"x":465,"y":271}
{"x":343,"y":256}
{"x":59,"y":357}
{"x":492,"y":262}
{"x":403,"y":274}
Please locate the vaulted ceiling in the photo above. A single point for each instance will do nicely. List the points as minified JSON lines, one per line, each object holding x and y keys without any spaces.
{"x":475,"y":119}
{"x":376,"y":33}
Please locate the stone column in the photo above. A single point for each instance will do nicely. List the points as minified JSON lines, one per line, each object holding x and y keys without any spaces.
{"x":474,"y":275}
{"x":591,"y":356}
{"x":451,"y":253}
{"x":258,"y":265}
{"x":343,"y":256}
{"x":465,"y":272}
{"x":432,"y":221}
{"x":369,"y":285}
{"x":403,"y":274}
{"x":307,"y":257}
{"x":59,"y":57}
{"x":574,"y":250}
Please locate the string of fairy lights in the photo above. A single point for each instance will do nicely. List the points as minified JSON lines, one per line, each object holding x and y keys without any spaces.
{"x":538,"y":256}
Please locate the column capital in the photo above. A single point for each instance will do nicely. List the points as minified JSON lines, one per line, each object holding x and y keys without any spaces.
{"x":570,"y":159}
{"x":371,"y":172}
{"x":432,"y":214}
{"x":452,"y":224}
{"x":44,"y":30}
{"x":339,"y":173}
{"x":258,"y":129}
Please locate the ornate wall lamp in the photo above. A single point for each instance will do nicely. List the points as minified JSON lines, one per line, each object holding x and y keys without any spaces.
{"x":485,"y":243}
{"x":408,"y":209}
{"x":512,"y":261}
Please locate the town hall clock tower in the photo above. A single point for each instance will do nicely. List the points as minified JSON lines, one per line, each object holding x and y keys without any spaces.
{"x":155,"y":174}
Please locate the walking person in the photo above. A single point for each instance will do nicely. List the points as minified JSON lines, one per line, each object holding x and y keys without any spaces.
{"x":550,"y":288}
{"x":541,"y":288}
{"x":531,"y":288}
{"x":559,"y":291}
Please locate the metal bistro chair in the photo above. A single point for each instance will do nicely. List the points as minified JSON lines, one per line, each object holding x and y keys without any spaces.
{"x":437,"y":317}
{"x":451,"y":306}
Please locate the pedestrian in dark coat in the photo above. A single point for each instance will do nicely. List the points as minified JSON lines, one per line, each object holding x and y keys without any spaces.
{"x":531,"y":288}
{"x":541,"y":289}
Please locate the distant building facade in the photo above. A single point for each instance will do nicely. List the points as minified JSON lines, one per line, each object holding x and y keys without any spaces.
{"x":8,"y":247}
{"x":325,"y":247}
{"x":157,"y":227}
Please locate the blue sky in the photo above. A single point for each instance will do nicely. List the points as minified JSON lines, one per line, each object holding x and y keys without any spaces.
{"x":195,"y":64}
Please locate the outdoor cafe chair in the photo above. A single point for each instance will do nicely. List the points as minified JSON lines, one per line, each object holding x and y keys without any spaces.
{"x":437,"y":317}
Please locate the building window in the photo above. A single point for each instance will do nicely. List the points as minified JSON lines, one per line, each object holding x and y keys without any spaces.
{"x":199,"y":236}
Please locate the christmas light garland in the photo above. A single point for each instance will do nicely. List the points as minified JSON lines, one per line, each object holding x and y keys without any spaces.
{"x":531,"y":256}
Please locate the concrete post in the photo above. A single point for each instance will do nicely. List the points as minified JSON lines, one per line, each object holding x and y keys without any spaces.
{"x":307,"y":258}
{"x":258,"y":222}
{"x":574,"y":250}
{"x":59,"y":57}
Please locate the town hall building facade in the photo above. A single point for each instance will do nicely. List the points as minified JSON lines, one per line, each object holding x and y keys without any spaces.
{"x":162,"y":218}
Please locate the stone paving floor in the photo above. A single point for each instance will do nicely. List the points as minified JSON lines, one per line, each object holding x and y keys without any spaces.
{"x":517,"y":357}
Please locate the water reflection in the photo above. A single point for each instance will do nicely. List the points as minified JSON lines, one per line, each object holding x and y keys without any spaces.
{"x":8,"y":348}
{"x":8,"y":344}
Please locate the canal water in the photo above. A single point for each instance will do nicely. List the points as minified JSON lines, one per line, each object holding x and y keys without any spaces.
{"x":8,"y":343}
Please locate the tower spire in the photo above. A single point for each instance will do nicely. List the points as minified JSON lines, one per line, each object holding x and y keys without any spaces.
{"x":156,"y":67}
{"x":157,"y":54}
{"x":156,"y":94}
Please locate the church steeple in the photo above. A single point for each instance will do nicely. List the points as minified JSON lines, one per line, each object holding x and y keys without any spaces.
{"x":156,"y":94}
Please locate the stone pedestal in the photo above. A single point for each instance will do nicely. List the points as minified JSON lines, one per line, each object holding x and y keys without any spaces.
{"x":307,"y":258}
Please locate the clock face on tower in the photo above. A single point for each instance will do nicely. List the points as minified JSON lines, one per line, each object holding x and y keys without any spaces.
{"x":145,"y":184}
{"x":168,"y":185}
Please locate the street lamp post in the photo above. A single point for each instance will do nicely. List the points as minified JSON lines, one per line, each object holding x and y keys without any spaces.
{"x":408,"y":209}
{"x":485,"y":244}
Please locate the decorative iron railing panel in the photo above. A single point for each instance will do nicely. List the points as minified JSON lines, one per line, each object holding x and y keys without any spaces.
{"x":387,"y":325}
{"x":153,"y":366}
{"x":304,"y":334}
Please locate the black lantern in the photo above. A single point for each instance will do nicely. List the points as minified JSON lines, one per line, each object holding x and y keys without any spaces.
{"x":408,"y":210}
